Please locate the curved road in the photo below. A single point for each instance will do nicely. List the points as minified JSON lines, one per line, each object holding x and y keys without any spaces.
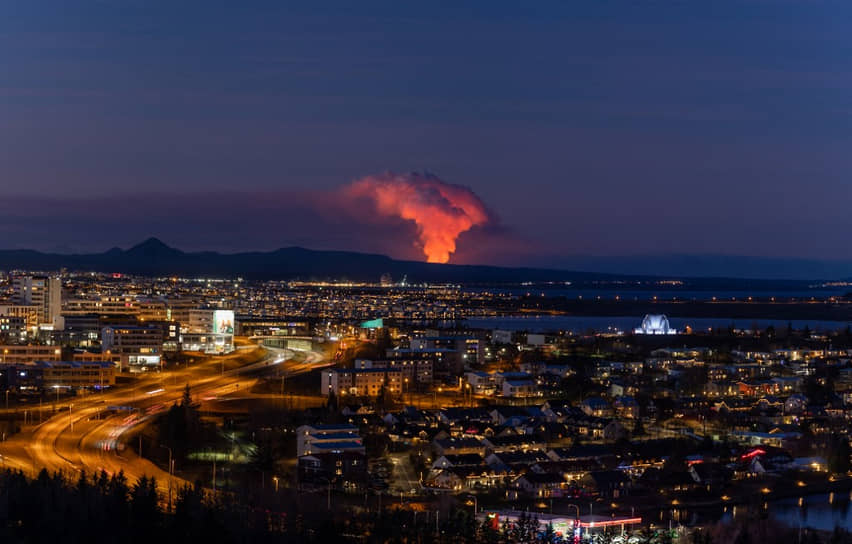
{"x":86,"y":435}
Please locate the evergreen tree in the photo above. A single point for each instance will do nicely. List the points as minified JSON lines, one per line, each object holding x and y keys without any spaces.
{"x":638,"y":428}
{"x":332,"y":402}
{"x":549,"y":535}
{"x":838,"y":457}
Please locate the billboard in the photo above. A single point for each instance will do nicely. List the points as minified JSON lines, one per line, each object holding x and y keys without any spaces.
{"x":223,"y":322}
{"x":373,"y":324}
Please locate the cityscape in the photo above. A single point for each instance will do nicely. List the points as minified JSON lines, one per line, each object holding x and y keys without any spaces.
{"x":400,"y":273}
{"x":440,"y":410}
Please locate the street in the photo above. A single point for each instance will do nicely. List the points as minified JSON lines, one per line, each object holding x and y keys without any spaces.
{"x":86,"y":435}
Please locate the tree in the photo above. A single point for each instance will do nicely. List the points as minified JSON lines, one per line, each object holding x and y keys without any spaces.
{"x":384,"y":400}
{"x":549,"y":535}
{"x":840,"y":536}
{"x":488,"y":533}
{"x":838,"y":456}
{"x":332,"y":402}
{"x":264,"y":455}
{"x":144,"y":505}
{"x":180,"y":429}
{"x":186,"y":399}
{"x":383,"y":340}
{"x":638,"y":428}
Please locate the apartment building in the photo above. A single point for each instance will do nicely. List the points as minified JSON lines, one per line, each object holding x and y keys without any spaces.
{"x":139,"y":348}
{"x":365,"y":382}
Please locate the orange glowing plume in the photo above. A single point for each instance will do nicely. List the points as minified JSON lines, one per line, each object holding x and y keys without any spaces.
{"x":441,"y":211}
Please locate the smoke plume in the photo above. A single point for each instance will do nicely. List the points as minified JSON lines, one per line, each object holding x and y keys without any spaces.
{"x":441,"y":211}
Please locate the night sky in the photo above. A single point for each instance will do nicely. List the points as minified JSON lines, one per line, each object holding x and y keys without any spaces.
{"x":585,"y":128}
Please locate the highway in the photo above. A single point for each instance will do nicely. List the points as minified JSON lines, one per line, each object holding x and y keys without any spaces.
{"x":85,"y":435}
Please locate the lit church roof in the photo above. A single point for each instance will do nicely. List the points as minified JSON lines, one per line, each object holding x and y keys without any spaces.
{"x":655,"y":324}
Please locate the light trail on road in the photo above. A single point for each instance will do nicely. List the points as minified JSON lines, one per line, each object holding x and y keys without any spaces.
{"x":77,"y":438}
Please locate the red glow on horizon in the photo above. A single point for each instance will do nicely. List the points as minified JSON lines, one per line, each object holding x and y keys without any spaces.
{"x":441,"y":211}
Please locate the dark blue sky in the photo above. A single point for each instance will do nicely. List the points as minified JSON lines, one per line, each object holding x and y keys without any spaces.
{"x":601,"y":127}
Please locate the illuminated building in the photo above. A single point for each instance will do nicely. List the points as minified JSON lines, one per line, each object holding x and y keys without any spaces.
{"x":139,"y":348}
{"x":446,"y":363}
{"x":200,"y":320}
{"x":209,"y":331}
{"x":414,"y":371}
{"x":470,"y":348}
{"x":520,"y":388}
{"x":272,"y":327}
{"x":26,"y":354}
{"x":96,"y":357}
{"x":331,"y":453}
{"x":146,"y":310}
{"x":29,"y":313}
{"x":13,"y":328}
{"x":44,"y":375}
{"x":206,"y":342}
{"x":563,"y":525}
{"x":365,"y":382}
{"x":314,"y":439}
{"x":43,"y":292}
{"x":77,"y":374}
{"x":655,"y":324}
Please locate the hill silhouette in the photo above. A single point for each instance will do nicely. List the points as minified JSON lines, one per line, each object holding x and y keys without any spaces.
{"x":153,"y":257}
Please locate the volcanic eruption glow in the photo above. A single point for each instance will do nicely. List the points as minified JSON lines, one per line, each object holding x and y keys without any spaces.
{"x":441,"y":211}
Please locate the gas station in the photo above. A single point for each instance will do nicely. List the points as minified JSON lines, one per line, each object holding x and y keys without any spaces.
{"x":564,"y":526}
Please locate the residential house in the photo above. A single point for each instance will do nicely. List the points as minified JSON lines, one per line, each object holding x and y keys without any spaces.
{"x":538,"y":485}
{"x":609,"y":484}
{"x":455,"y":446}
{"x":597,"y":407}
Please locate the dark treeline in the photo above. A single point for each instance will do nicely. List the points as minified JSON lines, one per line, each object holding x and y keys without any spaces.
{"x":107,"y":509}
{"x":104,"y":508}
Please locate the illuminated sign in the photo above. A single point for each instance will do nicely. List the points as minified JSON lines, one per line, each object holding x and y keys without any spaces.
{"x":223,"y":322}
{"x":611,"y":522}
{"x":373,"y":324}
{"x":753,"y":453}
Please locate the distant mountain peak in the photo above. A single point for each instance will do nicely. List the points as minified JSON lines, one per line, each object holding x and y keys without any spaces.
{"x":153,"y":246}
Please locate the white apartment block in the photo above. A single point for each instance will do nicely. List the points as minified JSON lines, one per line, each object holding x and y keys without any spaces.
{"x":366,"y":382}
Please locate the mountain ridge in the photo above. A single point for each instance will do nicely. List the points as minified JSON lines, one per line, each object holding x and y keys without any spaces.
{"x":153,"y":257}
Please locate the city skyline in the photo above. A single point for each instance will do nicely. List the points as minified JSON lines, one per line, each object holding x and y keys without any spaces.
{"x":379,"y":272}
{"x":584,"y":130}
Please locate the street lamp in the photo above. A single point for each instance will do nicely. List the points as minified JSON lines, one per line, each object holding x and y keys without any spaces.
{"x":275,"y":479}
{"x":576,"y":526}
{"x":577,"y":508}
{"x":170,"y":471}
{"x":475,"y":503}
{"x":328,"y":501}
